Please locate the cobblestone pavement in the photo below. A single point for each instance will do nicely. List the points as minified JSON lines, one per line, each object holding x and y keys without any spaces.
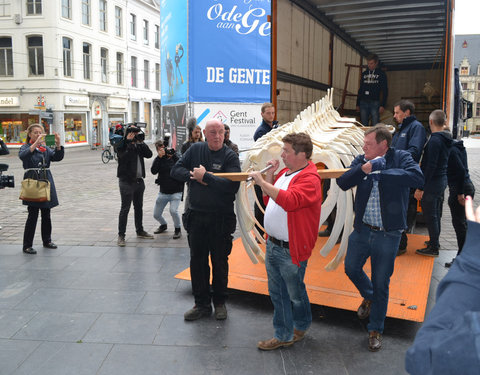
{"x":90,"y":307}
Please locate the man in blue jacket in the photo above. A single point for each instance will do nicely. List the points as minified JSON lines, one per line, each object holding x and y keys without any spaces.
{"x":410,"y":136}
{"x":383,"y":177}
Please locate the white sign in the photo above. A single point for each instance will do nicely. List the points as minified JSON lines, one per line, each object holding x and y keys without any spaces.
{"x":76,"y":101}
{"x":9,"y":101}
{"x":243,"y":119}
{"x":117,"y":103}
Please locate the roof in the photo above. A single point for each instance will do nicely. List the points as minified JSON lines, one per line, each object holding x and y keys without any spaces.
{"x":402,"y":33}
{"x":470,"y":50}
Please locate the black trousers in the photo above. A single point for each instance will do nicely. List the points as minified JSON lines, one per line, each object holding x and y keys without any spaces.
{"x":131,"y":192}
{"x":31,"y":226}
{"x":457,"y":211}
{"x":209,"y":234}
{"x":258,"y":213}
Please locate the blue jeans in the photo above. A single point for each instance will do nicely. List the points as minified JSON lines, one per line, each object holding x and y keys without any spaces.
{"x":432,"y":205}
{"x":160,"y":204}
{"x":291,"y":306}
{"x":382,"y":248}
{"x":367,"y":109}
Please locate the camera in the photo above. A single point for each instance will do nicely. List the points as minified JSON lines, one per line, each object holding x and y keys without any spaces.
{"x":166,"y":142}
{"x":136,"y":128}
{"x":5,"y":181}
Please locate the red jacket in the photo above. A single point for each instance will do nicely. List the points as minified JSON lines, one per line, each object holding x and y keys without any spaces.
{"x":303,"y":202}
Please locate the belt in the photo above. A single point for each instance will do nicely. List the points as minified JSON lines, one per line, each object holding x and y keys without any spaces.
{"x":373,"y":227}
{"x":279,"y":242}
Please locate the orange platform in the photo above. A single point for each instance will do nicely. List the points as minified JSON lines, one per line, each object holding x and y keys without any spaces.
{"x":409,"y":284}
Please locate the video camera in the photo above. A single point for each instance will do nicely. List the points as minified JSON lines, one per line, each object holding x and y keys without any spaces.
{"x":136,"y":128}
{"x":5,"y":181}
{"x":166,"y":142}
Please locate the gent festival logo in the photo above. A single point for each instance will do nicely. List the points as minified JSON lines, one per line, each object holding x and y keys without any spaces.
{"x":243,"y":22}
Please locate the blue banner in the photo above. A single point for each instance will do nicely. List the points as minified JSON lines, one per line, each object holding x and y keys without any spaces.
{"x":229,"y":50}
{"x":173,"y":51}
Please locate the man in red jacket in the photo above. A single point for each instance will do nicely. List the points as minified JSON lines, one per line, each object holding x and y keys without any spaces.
{"x":291,"y":221}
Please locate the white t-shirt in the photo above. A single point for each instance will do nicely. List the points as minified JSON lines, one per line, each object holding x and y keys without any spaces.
{"x":275,"y":220}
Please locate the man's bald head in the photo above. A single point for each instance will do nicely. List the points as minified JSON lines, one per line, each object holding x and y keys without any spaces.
{"x":214,"y":133}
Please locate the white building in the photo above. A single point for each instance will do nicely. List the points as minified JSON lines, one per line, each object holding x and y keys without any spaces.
{"x":92,"y":62}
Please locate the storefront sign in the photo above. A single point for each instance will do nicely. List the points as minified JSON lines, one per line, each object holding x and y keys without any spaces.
{"x":229,"y":41}
{"x":118,"y":103}
{"x":9,"y":101}
{"x":96,"y":111}
{"x":243,"y":119}
{"x":76,"y":101}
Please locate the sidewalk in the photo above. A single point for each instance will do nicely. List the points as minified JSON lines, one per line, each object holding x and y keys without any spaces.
{"x":90,"y":307}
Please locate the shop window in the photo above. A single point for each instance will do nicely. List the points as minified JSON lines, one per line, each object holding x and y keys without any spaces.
{"x":35,"y":55}
{"x":477,"y":110}
{"x":75,"y":128}
{"x":118,"y":21}
{"x":4,"y":8}
{"x":104,"y":64}
{"x":67,"y":57}
{"x":464,"y":70}
{"x":103,"y":14}
{"x":6,"y":59}
{"x":87,"y":61}
{"x":14,"y":126}
{"x":86,"y":12}
{"x":119,"y":68}
{"x":157,"y":36}
{"x":157,"y":77}
{"x":146,"y":74}
{"x":67,"y":9}
{"x":134,"y":71}
{"x":145,"y":32}
{"x":34,"y":7}
{"x":133,"y":26}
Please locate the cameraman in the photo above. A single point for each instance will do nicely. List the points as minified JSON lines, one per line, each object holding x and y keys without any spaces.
{"x":171,"y":190}
{"x":131,"y":172}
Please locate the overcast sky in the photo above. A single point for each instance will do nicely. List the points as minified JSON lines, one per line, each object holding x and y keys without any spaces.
{"x":466,"y":17}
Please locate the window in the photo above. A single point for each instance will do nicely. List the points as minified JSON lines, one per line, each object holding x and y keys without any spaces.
{"x":104,"y":64}
{"x":103,"y":14}
{"x":118,"y":21}
{"x":145,"y":32}
{"x":478,"y":86}
{"x":119,"y":68}
{"x":6,"y":60}
{"x":157,"y":36}
{"x":157,"y":77}
{"x":477,"y":110}
{"x":464,"y":85}
{"x":146,"y":74}
{"x":35,"y":55}
{"x":134,"y":71}
{"x":464,"y":70}
{"x":67,"y":57}
{"x":67,"y":9}
{"x":34,"y":7}
{"x":86,"y":12}
{"x":87,"y":61}
{"x":4,"y":8}
{"x":133,"y":26}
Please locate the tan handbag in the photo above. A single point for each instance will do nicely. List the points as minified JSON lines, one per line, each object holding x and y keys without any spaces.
{"x":35,"y":190}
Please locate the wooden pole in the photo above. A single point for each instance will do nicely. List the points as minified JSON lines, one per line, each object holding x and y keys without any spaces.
{"x":242,"y":176}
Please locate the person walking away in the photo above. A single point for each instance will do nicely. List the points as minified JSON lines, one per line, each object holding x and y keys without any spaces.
{"x":35,"y":156}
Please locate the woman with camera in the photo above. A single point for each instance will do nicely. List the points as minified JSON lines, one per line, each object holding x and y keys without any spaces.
{"x":36,"y":158}
{"x":171,"y":190}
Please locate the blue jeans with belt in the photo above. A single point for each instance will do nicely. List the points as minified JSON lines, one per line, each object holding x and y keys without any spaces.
{"x":291,"y":306}
{"x":382,"y":248}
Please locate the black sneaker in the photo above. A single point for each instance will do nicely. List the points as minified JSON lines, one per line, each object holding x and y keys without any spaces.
{"x":428,"y":251}
{"x":162,"y":228}
{"x":121,"y":240}
{"x":449,"y":264}
{"x":197,"y":312}
{"x":220,"y":312}
{"x":177,"y":234}
{"x":146,"y":235}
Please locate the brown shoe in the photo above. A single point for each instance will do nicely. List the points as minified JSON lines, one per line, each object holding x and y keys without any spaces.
{"x":364,"y":309}
{"x":298,"y":335}
{"x":273,"y":344}
{"x":374,"y":341}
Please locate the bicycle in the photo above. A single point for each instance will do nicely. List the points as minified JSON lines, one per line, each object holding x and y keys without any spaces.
{"x":108,"y":154}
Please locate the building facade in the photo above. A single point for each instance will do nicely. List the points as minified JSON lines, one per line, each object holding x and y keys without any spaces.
{"x":467,"y":60}
{"x":79,"y":67}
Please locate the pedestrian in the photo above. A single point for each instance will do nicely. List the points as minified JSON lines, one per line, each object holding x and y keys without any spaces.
{"x":209,"y":219}
{"x":36,"y":158}
{"x":383,"y":177}
{"x":130,"y":173}
{"x":171,"y":190}
{"x":291,"y":222}
{"x":194,"y":134}
{"x":227,"y":140}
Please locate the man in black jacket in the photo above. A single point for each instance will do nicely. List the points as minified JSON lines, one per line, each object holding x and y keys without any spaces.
{"x":131,"y":172}
{"x":209,"y":219}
